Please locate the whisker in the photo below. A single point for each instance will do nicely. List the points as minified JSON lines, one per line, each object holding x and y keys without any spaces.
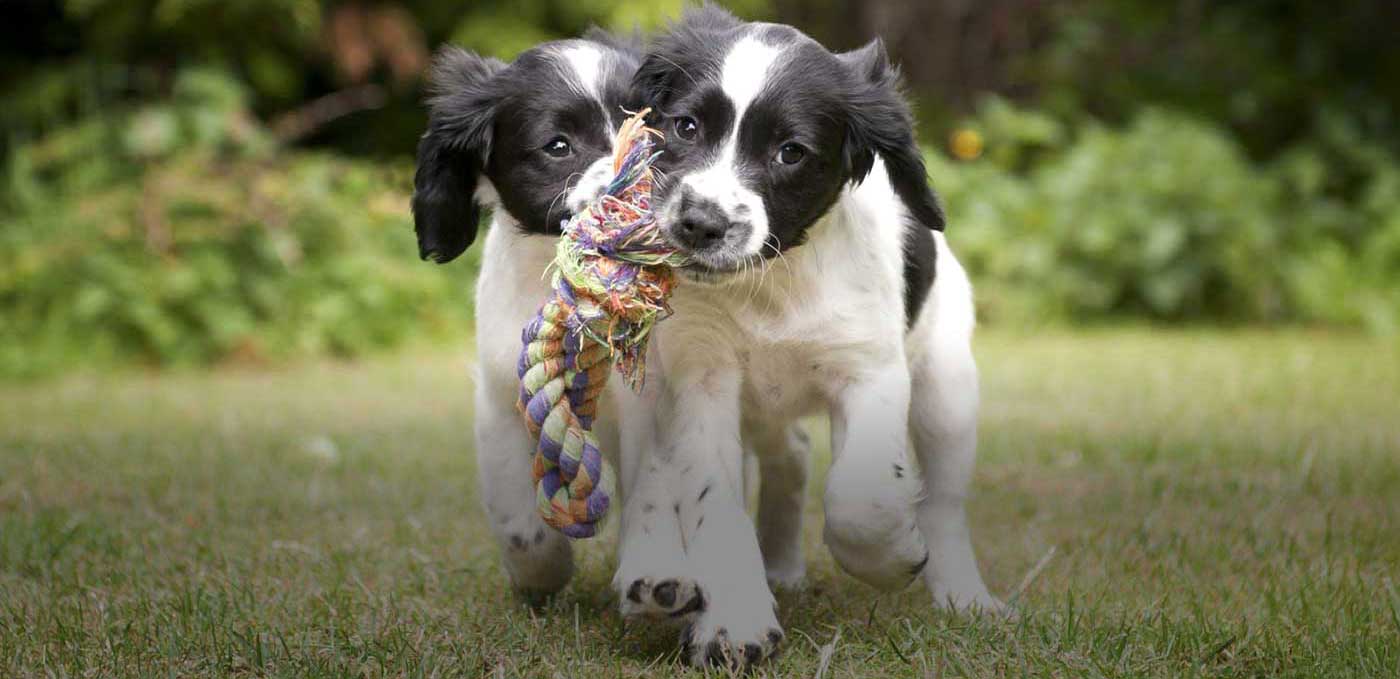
{"x":748,"y":279}
{"x":680,"y":68}
{"x":564,"y":195}
{"x":787,"y":266}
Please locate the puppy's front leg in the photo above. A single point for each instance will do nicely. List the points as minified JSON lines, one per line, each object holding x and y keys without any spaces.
{"x":782,"y":453}
{"x":537,"y":558}
{"x":871,"y":490}
{"x":653,"y":577}
{"x":700,"y":452}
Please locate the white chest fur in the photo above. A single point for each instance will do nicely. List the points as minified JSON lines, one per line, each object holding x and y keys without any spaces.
{"x":802,"y":325}
{"x":511,"y":286}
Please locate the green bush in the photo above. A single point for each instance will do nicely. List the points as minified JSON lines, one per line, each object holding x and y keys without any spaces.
{"x":179,"y":232}
{"x":176,"y":234}
{"x":1168,"y":219}
{"x":1350,"y":273}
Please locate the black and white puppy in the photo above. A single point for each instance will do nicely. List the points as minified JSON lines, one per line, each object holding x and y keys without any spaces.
{"x":531,"y":141}
{"x":794,"y":182}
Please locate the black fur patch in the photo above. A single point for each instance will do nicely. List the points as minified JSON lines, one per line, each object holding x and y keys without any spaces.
{"x":920,"y":267}
{"x":665,"y":593}
{"x":695,"y":605}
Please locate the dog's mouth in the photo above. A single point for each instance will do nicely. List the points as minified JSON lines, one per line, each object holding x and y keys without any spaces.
{"x":726,"y":262}
{"x":705,"y":275}
{"x":710,"y":269}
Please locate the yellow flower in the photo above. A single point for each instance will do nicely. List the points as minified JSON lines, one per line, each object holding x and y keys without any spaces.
{"x":967,"y":144}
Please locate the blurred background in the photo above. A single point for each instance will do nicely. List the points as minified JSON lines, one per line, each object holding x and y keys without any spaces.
{"x":200,"y":182}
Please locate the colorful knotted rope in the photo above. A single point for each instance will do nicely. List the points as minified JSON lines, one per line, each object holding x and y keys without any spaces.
{"x":612,"y":277}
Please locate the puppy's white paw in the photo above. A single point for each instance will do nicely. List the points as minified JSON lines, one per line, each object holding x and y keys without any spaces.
{"x":669,"y":597}
{"x":732,"y":633}
{"x":952,"y":577}
{"x":786,"y":575}
{"x":973,"y":599}
{"x":885,"y":558}
{"x":653,"y":581}
{"x":537,"y":559}
{"x":871,"y":526}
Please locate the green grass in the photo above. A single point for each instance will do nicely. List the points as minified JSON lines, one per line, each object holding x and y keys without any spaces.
{"x":1217,"y":503}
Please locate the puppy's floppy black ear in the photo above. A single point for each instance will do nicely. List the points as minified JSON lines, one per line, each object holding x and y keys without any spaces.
{"x":453,"y":152}
{"x":654,"y":79}
{"x":880,"y":123}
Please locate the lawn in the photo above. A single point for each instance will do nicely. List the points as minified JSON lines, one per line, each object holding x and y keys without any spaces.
{"x":1158,"y":503}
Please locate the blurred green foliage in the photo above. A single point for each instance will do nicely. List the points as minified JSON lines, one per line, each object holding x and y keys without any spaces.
{"x":190,"y":181}
{"x":1273,"y":72}
{"x":1167,"y":219}
{"x":176,"y":234}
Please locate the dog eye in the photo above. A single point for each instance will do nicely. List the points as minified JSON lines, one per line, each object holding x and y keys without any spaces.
{"x":558,"y":147}
{"x":791,"y":154}
{"x":687,"y":128}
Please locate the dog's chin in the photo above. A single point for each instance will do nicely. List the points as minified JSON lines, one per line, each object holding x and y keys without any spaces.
{"x":713,"y":270}
{"x":702,"y":276}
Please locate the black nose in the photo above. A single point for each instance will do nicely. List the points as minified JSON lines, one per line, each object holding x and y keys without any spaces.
{"x":700,"y":225}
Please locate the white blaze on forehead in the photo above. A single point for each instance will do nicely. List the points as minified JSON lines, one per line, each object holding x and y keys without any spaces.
{"x":744,"y":73}
{"x":587,"y":64}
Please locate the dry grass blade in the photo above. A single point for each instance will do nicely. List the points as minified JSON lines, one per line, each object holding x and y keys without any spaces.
{"x":1031,"y":575}
{"x":827,"y":652}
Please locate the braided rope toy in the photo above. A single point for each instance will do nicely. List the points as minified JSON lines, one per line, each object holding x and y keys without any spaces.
{"x":612,"y":277}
